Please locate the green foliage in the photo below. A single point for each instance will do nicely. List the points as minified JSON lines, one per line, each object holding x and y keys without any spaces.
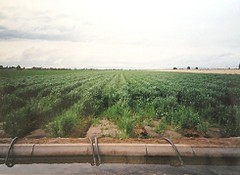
{"x":62,"y":126}
{"x":188,"y":119}
{"x":162,"y":126}
{"x":163,"y":106}
{"x":183,"y":118}
{"x":8,"y":103}
{"x":31,"y":99}
{"x":21,"y":122}
{"x":230,"y":120}
{"x":121,"y":115}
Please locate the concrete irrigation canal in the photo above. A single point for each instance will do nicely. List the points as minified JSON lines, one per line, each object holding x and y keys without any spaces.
{"x":118,"y":158}
{"x":101,"y":153}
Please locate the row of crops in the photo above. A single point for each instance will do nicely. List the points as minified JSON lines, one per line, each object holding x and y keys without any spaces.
{"x":59,"y":101}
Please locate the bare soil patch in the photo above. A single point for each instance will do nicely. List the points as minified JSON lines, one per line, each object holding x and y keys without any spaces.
{"x":104,"y":128}
{"x":38,"y":133}
{"x":108,"y":132}
{"x":205,"y":71}
{"x":81,"y":129}
{"x":233,"y":141}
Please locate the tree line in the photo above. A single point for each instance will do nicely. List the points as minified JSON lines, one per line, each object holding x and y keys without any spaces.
{"x":18,"y":67}
{"x":188,"y":68}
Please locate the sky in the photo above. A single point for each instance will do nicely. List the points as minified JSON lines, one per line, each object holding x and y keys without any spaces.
{"x":128,"y":34}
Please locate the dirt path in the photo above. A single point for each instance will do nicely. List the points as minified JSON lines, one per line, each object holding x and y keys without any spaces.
{"x":104,"y":128}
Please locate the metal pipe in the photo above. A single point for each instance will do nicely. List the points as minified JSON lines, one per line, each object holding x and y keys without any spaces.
{"x":120,"y":153}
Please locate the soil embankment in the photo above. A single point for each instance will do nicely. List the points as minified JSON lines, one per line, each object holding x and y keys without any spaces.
{"x":108,"y":132}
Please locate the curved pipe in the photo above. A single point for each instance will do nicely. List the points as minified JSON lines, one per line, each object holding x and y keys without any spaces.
{"x":10,"y":164}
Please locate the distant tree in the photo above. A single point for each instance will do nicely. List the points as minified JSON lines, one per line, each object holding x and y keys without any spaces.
{"x":1,"y":66}
{"x":196,"y":67}
{"x":19,"y":67}
{"x":239,"y":66}
{"x":188,"y":67}
{"x":37,"y":68}
{"x":174,"y":68}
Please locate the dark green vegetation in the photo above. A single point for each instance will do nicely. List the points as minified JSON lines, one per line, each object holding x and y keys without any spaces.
{"x":59,"y":100}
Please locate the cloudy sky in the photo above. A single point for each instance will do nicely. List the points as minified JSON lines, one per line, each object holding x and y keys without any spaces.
{"x":120,"y":33}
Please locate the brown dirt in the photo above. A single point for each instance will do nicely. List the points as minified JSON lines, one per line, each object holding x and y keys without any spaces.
{"x":108,"y":132}
{"x":206,"y":71}
{"x":233,"y":141}
{"x":104,"y":128}
{"x":82,"y":128}
{"x":38,"y":133}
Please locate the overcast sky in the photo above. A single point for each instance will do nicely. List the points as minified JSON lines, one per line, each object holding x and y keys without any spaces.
{"x":120,"y":33}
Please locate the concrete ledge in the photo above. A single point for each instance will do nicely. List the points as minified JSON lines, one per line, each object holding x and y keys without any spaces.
{"x":217,"y":152}
{"x":118,"y":150}
{"x":112,"y":153}
{"x":167,"y":150}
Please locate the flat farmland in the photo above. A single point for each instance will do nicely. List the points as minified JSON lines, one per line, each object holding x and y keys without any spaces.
{"x":65,"y":103}
{"x":205,"y":71}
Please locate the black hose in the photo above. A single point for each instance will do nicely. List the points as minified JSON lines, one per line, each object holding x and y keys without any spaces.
{"x":10,"y":164}
{"x":32,"y":152}
{"x":93,"y":152}
{"x":97,"y":148}
{"x":175,"y":148}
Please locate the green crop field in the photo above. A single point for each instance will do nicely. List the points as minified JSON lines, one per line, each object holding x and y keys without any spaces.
{"x":59,"y":100}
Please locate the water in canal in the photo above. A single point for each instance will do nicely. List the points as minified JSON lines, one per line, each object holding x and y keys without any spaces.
{"x":118,"y":169}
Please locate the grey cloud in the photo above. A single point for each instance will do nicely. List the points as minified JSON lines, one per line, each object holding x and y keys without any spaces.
{"x":225,"y":55}
{"x":39,"y":25}
{"x":1,"y":15}
{"x":7,"y":34}
{"x":2,"y":28}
